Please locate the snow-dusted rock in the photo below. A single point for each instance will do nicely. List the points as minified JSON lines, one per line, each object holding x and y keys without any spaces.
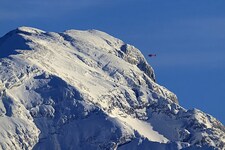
{"x":89,"y":90}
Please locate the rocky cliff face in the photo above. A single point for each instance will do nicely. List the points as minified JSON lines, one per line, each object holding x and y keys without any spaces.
{"x":89,"y":90}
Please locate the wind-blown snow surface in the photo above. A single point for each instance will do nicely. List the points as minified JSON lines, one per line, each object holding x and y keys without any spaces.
{"x":89,"y":90}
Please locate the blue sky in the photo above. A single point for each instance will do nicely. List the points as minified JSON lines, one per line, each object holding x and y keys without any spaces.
{"x":188,"y":37}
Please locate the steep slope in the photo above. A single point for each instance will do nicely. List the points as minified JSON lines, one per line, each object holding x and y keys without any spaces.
{"x":89,"y":90}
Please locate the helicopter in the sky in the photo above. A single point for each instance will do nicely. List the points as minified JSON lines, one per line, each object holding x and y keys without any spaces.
{"x":151,"y":55}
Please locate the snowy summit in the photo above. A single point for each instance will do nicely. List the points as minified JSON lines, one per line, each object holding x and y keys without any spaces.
{"x":88,"y":90}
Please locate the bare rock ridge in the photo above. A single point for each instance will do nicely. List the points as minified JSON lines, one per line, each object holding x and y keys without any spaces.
{"x":89,"y":90}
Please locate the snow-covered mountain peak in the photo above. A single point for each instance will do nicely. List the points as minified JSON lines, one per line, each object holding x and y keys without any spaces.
{"x":89,"y":90}
{"x":30,"y":30}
